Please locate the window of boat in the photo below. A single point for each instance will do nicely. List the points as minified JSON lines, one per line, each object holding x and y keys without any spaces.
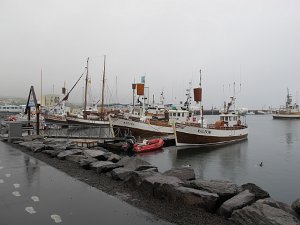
{"x":226,"y":118}
{"x":229,"y":118}
{"x":235,"y":118}
{"x":197,"y":113}
{"x":182,"y":114}
{"x":222,"y":117}
{"x":178,"y":114}
{"x":174,"y":114}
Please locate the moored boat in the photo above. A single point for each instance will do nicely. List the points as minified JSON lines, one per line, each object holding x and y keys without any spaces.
{"x":141,"y":125}
{"x":231,"y":127}
{"x":289,"y":111}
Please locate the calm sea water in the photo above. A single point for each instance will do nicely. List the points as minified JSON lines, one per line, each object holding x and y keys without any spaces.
{"x":276,"y":143}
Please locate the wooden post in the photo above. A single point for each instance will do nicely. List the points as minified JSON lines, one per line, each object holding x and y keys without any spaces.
{"x":28,"y":118}
{"x":38,"y":119}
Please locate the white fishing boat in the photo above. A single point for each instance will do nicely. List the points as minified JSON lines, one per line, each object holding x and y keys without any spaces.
{"x":139,"y":124}
{"x":231,"y":127}
{"x":289,"y":111}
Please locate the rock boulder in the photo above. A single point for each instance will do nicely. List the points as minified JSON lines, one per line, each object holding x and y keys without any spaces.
{"x":254,"y":189}
{"x":263,"y":214}
{"x":197,"y":198}
{"x":225,"y":189}
{"x":237,"y":202}
{"x":160,"y":186}
{"x":183,"y":173}
{"x":296,"y":206}
{"x":103,"y":166}
{"x":63,"y":154}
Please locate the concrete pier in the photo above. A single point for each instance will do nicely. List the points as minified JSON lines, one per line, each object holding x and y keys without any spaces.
{"x":32,"y":192}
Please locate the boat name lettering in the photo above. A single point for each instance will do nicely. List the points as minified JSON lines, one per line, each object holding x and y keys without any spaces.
{"x":128,"y":123}
{"x":203,"y":131}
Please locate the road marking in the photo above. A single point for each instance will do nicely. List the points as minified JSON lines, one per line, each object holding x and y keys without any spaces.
{"x":16,"y":185}
{"x":30,"y":210}
{"x":16,"y":193}
{"x":7,"y":174}
{"x":56,"y":218}
{"x":35,"y":198}
{"x":1,"y":181}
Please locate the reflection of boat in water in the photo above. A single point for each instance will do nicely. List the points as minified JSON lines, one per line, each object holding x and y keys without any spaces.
{"x":231,"y":127}
{"x":289,"y":111}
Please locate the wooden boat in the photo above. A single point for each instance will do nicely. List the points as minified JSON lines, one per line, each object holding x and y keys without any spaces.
{"x":289,"y":111}
{"x":140,"y":124}
{"x":57,"y":119}
{"x":231,"y":127}
{"x":148,"y":145}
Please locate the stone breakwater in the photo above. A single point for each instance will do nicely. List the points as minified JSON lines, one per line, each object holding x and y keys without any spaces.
{"x":245,"y":204}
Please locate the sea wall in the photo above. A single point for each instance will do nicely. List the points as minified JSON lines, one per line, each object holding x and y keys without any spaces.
{"x":245,"y":204}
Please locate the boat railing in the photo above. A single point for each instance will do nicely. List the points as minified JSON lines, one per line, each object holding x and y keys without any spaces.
{"x":213,"y":126}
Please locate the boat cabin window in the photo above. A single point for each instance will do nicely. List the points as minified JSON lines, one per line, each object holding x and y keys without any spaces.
{"x":178,"y":114}
{"x":174,"y":114}
{"x":182,"y":114}
{"x":197,"y":112}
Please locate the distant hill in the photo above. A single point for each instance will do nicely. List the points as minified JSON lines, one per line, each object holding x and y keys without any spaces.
{"x":12,"y":100}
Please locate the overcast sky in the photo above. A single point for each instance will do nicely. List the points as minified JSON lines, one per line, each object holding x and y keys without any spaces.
{"x":255,"y":43}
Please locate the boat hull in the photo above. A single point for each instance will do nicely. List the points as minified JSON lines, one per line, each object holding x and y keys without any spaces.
{"x":139,"y":129}
{"x":153,"y":145}
{"x":55,"y":119}
{"x":196,"y":136}
{"x":286,"y":116}
{"x":79,"y":121}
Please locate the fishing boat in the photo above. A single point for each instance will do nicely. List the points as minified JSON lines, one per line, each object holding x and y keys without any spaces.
{"x":142,"y":125}
{"x":90,"y":116}
{"x":231,"y":127}
{"x":148,"y":145}
{"x":289,"y":111}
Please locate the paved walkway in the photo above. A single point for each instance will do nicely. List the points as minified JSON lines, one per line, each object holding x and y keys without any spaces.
{"x":33,"y":193}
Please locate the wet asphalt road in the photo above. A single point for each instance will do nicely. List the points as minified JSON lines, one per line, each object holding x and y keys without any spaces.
{"x":33,"y":193}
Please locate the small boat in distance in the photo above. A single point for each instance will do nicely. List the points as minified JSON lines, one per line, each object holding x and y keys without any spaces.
{"x":289,"y":111}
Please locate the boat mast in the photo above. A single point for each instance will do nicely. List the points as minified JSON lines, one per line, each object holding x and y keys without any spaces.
{"x":103,"y":82}
{"x":41,"y":86}
{"x":201,"y":106}
{"x":85,"y":91}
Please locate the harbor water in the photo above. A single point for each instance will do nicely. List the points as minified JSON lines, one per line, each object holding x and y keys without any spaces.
{"x":275,"y":143}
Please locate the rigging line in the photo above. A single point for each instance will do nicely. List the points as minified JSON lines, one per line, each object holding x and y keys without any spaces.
{"x":67,"y":95}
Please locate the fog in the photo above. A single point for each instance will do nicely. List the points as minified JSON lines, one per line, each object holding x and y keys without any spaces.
{"x":252,"y":43}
